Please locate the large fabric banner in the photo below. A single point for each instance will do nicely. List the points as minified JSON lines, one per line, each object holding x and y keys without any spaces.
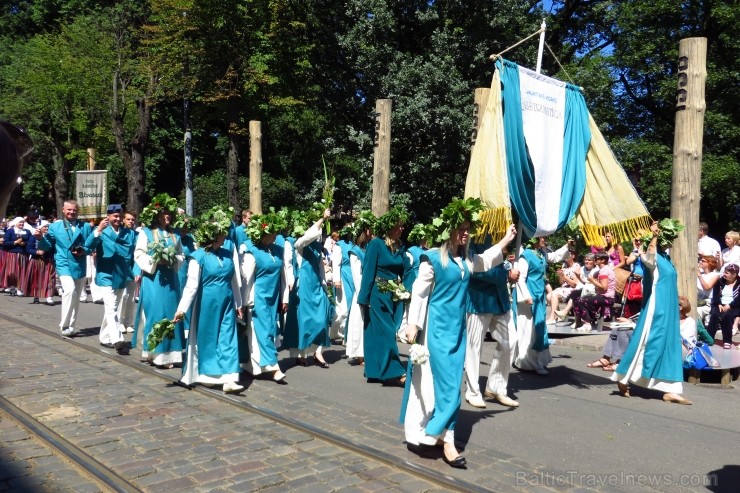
{"x":91,"y":191}
{"x":547,"y":136}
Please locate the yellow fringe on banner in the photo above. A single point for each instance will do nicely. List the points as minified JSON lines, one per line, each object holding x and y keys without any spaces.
{"x":610,"y":202}
{"x":493,"y":222}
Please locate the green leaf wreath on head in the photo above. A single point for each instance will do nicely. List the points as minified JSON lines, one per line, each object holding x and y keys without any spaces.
{"x":160,"y":202}
{"x":421,"y":232}
{"x":265,"y":224}
{"x":364,"y":220}
{"x":216,"y":221}
{"x":669,"y":230}
{"x":389,"y":220}
{"x":454,"y":214}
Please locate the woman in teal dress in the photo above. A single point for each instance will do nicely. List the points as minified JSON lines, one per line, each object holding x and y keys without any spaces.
{"x":309,"y":310}
{"x":265,"y":295}
{"x":160,"y":289}
{"x":212,"y":356}
{"x":188,"y":247}
{"x":653,"y":357}
{"x":385,"y":259}
{"x":532,"y":346}
{"x":362,"y":230}
{"x":429,"y":410}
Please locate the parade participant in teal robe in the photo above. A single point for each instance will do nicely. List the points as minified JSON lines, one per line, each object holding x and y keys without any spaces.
{"x":385,"y":260}
{"x":309,"y":310}
{"x":212,"y":355}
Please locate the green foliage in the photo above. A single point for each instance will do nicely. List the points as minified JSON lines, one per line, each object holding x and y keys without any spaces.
{"x":397,"y":215}
{"x":454,"y":214}
{"x":265,"y":224}
{"x":213,"y":223}
{"x":164,"y":329}
{"x":669,"y":230}
{"x":160,"y":202}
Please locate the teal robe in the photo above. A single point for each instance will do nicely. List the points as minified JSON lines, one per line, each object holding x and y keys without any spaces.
{"x":114,"y":253}
{"x":266,"y":296}
{"x":62,"y":239}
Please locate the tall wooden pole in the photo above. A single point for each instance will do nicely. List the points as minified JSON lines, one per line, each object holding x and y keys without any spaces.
{"x":382,"y":157}
{"x":255,"y":166}
{"x":91,"y":162}
{"x":687,"y":158}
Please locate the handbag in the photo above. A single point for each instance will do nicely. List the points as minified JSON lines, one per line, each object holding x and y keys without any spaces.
{"x":588,"y":290}
{"x":699,"y":357}
{"x":634,"y":290}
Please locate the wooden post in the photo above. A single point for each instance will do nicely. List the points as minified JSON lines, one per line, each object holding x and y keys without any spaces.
{"x":382,"y":157}
{"x":91,"y":162}
{"x":479,"y":106}
{"x":687,"y":159}
{"x":255,"y":167}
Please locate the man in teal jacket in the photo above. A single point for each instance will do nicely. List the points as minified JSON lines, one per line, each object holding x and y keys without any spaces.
{"x":114,"y":251}
{"x":66,"y":238}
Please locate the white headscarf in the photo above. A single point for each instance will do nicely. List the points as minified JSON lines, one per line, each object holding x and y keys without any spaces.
{"x":13,"y":224}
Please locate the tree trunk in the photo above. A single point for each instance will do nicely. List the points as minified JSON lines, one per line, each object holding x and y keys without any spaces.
{"x":232,"y":162}
{"x":133,"y":160}
{"x":61,"y":180}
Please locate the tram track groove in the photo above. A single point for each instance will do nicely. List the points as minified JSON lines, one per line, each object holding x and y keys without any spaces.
{"x":100,"y":473}
{"x":393,"y":461}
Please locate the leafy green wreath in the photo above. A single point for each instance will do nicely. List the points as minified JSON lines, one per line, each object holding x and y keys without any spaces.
{"x":421,"y":232}
{"x":669,"y":230}
{"x":265,"y":224}
{"x":160,"y":202}
{"x":216,"y":221}
{"x":389,"y":220}
{"x":454,"y":214}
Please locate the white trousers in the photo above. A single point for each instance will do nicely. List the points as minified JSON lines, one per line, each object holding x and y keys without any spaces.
{"x":341,"y":311}
{"x":504,"y":332}
{"x":110,"y":327}
{"x":126,"y":309}
{"x":71,"y":289}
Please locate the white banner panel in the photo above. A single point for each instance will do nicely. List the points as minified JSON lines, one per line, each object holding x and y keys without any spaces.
{"x":91,"y":192}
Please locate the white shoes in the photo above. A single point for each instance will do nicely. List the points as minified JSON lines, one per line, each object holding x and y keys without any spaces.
{"x":585,"y":328}
{"x":232,"y":387}
{"x":68,"y":332}
{"x":50,"y":301}
{"x":502,"y":399}
{"x":550,"y":322}
{"x":129,"y":330}
{"x":542,"y":371}
{"x":476,"y":402}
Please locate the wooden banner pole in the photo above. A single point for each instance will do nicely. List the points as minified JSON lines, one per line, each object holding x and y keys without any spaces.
{"x":382,"y":157}
{"x":255,"y":167}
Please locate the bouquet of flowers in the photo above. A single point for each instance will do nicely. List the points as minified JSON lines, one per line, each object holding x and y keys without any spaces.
{"x":160,"y":252}
{"x":418,"y":354}
{"x":160,"y":330}
{"x":396,"y":288}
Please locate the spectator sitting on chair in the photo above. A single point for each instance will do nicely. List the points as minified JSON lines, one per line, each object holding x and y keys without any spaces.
{"x":707,"y":276}
{"x":725,"y":305}
{"x":568,"y":276}
{"x":587,"y":308}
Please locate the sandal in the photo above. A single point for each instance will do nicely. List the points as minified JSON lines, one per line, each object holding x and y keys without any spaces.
{"x":610,"y":367}
{"x":727,"y":346}
{"x":600,"y":363}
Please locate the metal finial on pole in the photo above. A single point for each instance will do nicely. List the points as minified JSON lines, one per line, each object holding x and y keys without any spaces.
{"x":542,"y":46}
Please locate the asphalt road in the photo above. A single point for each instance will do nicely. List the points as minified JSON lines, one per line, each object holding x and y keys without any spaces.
{"x":571,"y":422}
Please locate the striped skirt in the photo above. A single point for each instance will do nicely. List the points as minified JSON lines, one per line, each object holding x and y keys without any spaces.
{"x":39,"y":279}
{"x":15,"y":269}
{"x":3,"y":255}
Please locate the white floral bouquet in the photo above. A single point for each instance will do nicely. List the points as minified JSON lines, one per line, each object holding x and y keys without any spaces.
{"x":396,"y":288}
{"x":160,"y":252}
{"x":418,"y":354}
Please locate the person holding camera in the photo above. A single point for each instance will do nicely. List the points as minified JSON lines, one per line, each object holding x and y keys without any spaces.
{"x":66,"y":238}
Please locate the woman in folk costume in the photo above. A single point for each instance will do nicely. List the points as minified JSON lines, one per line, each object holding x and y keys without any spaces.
{"x":362,"y":232}
{"x":212,"y":354}
{"x":16,"y":259}
{"x":653,"y":357}
{"x":432,"y":394}
{"x":532,"y":347}
{"x":265,"y":294}
{"x":39,"y":279}
{"x":308,"y":318}
{"x":385,"y":260}
{"x":159,"y":255}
